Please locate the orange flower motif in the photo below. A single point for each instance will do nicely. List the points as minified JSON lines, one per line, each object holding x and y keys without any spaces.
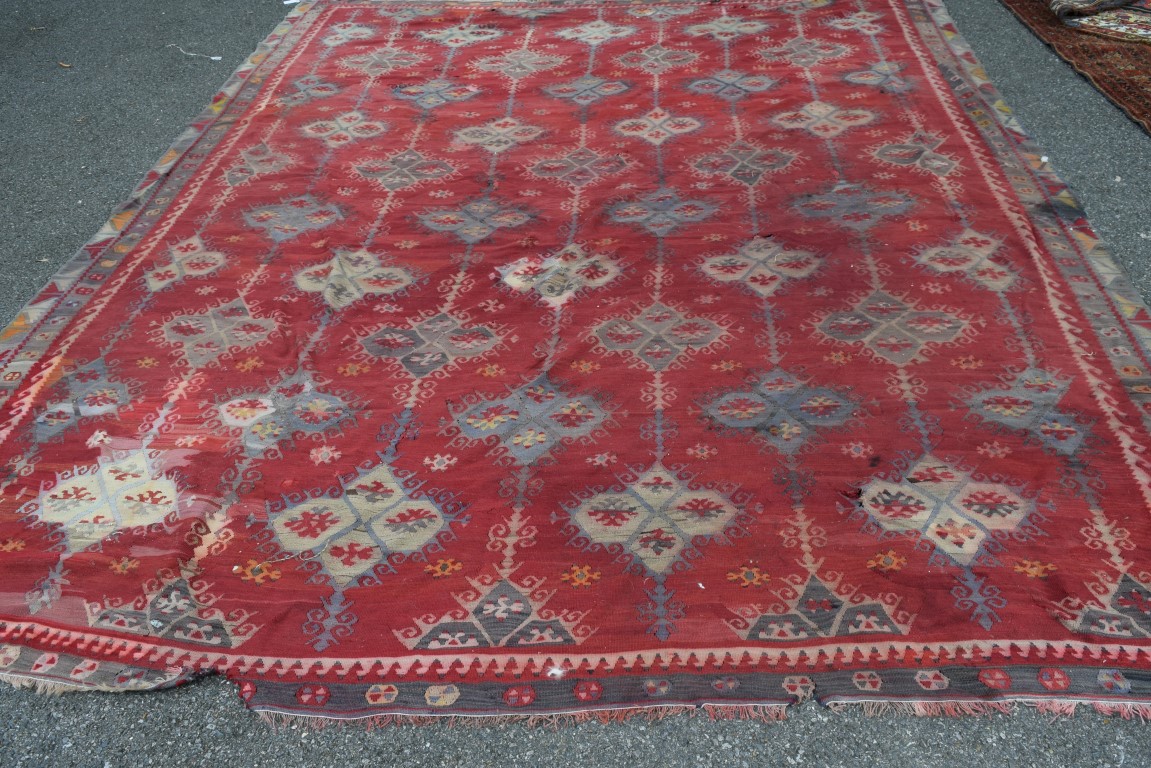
{"x":257,"y":572}
{"x":491,"y":371}
{"x":581,"y":576}
{"x":1035,"y":569}
{"x":249,"y":364}
{"x":887,"y":562}
{"x":838,"y":358}
{"x":147,"y":362}
{"x":585,"y":366}
{"x":353,"y":369}
{"x":749,"y":576}
{"x":726,"y":365}
{"x":967,"y":363}
{"x":124,"y":565}
{"x":12,"y":545}
{"x":443,"y":568}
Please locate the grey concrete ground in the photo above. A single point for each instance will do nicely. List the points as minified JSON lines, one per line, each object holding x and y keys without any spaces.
{"x":73,"y":142}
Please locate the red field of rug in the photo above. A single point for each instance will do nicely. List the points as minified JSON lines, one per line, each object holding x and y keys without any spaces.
{"x":542,"y":359}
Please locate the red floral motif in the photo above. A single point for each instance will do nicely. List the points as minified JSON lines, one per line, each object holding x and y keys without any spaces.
{"x":351,"y":554}
{"x":311,"y":524}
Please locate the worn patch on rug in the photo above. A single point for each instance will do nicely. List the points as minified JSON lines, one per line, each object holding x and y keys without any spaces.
{"x":586,"y":358}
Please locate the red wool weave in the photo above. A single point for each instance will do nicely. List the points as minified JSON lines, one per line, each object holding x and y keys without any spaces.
{"x":530,"y":359}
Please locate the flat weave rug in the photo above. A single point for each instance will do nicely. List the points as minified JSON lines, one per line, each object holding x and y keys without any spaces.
{"x":1118,"y":64}
{"x":530,"y":360}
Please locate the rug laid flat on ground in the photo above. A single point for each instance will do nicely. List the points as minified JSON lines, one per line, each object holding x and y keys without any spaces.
{"x":1118,"y":64}
{"x":582,"y":359}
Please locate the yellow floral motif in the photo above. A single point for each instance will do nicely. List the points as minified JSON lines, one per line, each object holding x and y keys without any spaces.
{"x":257,"y":572}
{"x":249,"y":364}
{"x":585,"y":366}
{"x":353,"y":369}
{"x":267,"y":430}
{"x":887,"y":562}
{"x":726,"y":365}
{"x":492,"y":371}
{"x":492,"y":418}
{"x":967,"y":363}
{"x":785,"y":430}
{"x":838,"y":358}
{"x":147,"y":362}
{"x":1035,"y":569}
{"x":443,"y":568}
{"x":580,"y":576}
{"x":12,"y":545}
{"x":124,"y":565}
{"x":529,"y":437}
{"x":748,"y":576}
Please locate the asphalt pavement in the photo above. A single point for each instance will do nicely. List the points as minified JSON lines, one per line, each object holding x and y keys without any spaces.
{"x":91,"y":94}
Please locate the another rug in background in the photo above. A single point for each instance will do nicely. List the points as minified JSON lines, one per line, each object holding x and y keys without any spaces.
{"x":1119,"y":65}
{"x":527,"y":360}
{"x":1119,"y":19}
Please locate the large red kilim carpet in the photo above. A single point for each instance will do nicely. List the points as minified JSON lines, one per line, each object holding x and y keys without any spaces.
{"x":535,"y":359}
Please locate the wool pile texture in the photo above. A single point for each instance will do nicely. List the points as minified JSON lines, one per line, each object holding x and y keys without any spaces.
{"x":581,"y":359}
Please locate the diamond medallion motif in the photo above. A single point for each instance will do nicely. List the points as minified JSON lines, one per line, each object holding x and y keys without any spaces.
{"x":959,"y":514}
{"x":762,"y":266}
{"x":531,"y":421}
{"x":894,"y":329}
{"x":428,"y":345}
{"x":659,"y":335}
{"x":655,"y":517}
{"x":780,"y":410}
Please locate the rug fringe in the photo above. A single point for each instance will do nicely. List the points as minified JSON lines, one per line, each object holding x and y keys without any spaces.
{"x":927,"y":708}
{"x":40,"y":687}
{"x":766,"y":713}
{"x":1127,"y":711}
